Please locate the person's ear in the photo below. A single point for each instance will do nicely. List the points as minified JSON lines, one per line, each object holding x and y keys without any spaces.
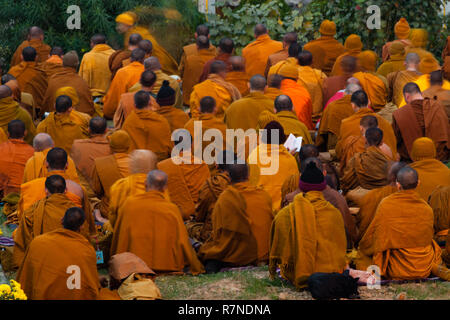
{"x":21,"y":57}
{"x":399,"y":187}
{"x":46,"y":164}
{"x":361,"y":129}
{"x":47,"y":193}
{"x":66,"y":166}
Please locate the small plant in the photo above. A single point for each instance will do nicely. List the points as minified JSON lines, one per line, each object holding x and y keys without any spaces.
{"x":12,"y":291}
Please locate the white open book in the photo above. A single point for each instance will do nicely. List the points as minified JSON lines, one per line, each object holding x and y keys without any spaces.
{"x":293,"y":143}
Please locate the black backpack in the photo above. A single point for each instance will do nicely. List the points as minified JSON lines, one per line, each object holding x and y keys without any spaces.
{"x":327,"y":286}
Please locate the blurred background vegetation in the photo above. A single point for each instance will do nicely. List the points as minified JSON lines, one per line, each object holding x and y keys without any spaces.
{"x":173,"y":21}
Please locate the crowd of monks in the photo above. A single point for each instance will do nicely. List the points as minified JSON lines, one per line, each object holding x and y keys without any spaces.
{"x":88,"y":174}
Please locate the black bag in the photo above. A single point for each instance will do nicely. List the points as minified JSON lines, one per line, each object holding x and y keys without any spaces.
{"x":327,"y":286}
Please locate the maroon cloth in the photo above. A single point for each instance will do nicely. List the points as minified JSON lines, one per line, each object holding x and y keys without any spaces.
{"x":221,"y":57}
{"x":305,"y":186}
{"x":332,"y":85}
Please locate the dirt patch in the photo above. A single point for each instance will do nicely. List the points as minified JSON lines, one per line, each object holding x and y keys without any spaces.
{"x":219,"y":290}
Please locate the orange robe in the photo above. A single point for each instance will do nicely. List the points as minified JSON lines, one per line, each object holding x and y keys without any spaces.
{"x":432,"y":173}
{"x":272,"y":93}
{"x":175,"y":117}
{"x":337,"y":69}
{"x":240,"y":80}
{"x":331,"y":48}
{"x":301,"y":99}
{"x":394,"y":64}
{"x":149,"y":130}
{"x":241,"y":222}
{"x":10,"y":110}
{"x":439,"y":201}
{"x":123,"y":80}
{"x":152,"y":228}
{"x":312,"y":80}
{"x":274,"y":59}
{"x":291,"y":124}
{"x":257,"y":53}
{"x":45,"y":273}
{"x":375,"y":88}
{"x":126,"y":106}
{"x":42,"y":50}
{"x":397,"y":81}
{"x":115,"y":61}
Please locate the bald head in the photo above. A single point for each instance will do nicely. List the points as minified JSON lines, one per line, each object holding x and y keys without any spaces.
{"x":360,"y":99}
{"x":57,"y":51}
{"x":202,"y":42}
{"x":259,"y":30}
{"x":16,"y":129}
{"x":294,"y":50}
{"x":207,"y":105}
{"x":394,"y":168}
{"x":97,"y":125}
{"x":56,"y":159}
{"x":352,"y":88}
{"x":237,"y":63}
{"x":202,"y":30}
{"x":412,"y":61}
{"x":308,"y":151}
{"x":29,"y":54}
{"x":142,"y":161}
{"x":42,"y":141}
{"x":411,"y":88}
{"x":283,"y":103}
{"x":305,"y":58}
{"x":226,"y":45}
{"x":36,"y":33}
{"x":5,"y":91}
{"x":374,"y":136}
{"x":148,"y":79}
{"x":290,"y":38}
{"x":134,"y":40}
{"x":98,"y":39}
{"x":73,"y":219}
{"x":152,"y":64}
{"x":238,"y":172}
{"x":368,"y":122}
{"x":257,"y":83}
{"x":156,"y":180}
{"x":437,"y":78}
{"x":137,"y":55}
{"x":274,"y":81}
{"x":147,"y":46}
{"x":408,"y":178}
{"x":218,"y":67}
{"x":349,"y":64}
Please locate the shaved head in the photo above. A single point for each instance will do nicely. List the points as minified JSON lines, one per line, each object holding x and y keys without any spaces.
{"x":29,"y":54}
{"x":226,"y":45}
{"x":408,"y":178}
{"x":16,"y":129}
{"x":57,"y":51}
{"x":156,"y":180}
{"x":290,"y":38}
{"x":237,"y":63}
{"x":238,"y":172}
{"x":394,"y":168}
{"x":152,"y":64}
{"x":369,"y":122}
{"x":134,"y":39}
{"x":360,"y":99}
{"x":259,"y":30}
{"x":257,"y":83}
{"x":73,"y":219}
{"x":202,"y":42}
{"x":98,"y":39}
{"x":412,"y":59}
{"x":142,"y":161}
{"x":374,"y":136}
{"x":97,"y":125}
{"x":437,"y":78}
{"x":207,"y":104}
{"x":411,"y":88}
{"x":274,"y":81}
{"x":148,"y":78}
{"x":202,"y":30}
{"x":283,"y":103}
{"x":294,"y":50}
{"x":218,"y":67}
{"x":57,"y":159}
{"x":305,"y":58}
{"x":308,"y":151}
{"x":352,"y":88}
{"x":137,"y":55}
{"x":36,"y":33}
{"x":349,"y":64}
{"x":146,"y":45}
{"x":55,"y":184}
{"x":5,"y":91}
{"x":42,"y":141}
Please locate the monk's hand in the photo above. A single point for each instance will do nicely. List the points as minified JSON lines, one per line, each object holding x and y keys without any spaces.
{"x":98,"y":217}
{"x":104,"y":282}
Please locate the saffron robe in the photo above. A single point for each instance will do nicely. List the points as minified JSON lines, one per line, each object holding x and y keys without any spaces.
{"x":126,"y":106}
{"x":291,"y":124}
{"x":42,"y":50}
{"x":328,"y":45}
{"x":312,"y":80}
{"x":432,"y":173}
{"x":175,"y":117}
{"x":257,"y":52}
{"x":240,"y":80}
{"x":10,"y":110}
{"x":300,"y":99}
{"x":439,"y":201}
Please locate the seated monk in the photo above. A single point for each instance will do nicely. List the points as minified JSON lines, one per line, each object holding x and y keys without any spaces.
{"x":126,"y":104}
{"x":332,"y":116}
{"x":65,"y":124}
{"x":299,"y":95}
{"x":357,"y":144}
{"x":398,"y":80}
{"x":237,"y":75}
{"x":148,"y":225}
{"x":288,"y":39}
{"x":35,"y":39}
{"x":166,"y":98}
{"x":273,"y":86}
{"x":437,"y":92}
{"x":271,"y":163}
{"x":141,"y":163}
{"x":123,"y":81}
{"x":13,"y":156}
{"x":421,"y":117}
{"x":200,"y":226}
{"x":36,"y":165}
{"x":257,"y":52}
{"x":10,"y":110}
{"x":367,"y":170}
{"x":396,"y":61}
{"x":44,"y":272}
{"x":241,"y":222}
{"x":54,"y":61}
{"x":287,"y":118}
{"x":439,"y":201}
{"x":400,"y":238}
{"x":328,"y":45}
{"x":224,"y":52}
{"x":45,"y":215}
{"x":85,"y":151}
{"x":67,"y":76}
{"x":353,"y":46}
{"x":25,"y":99}
{"x":431,"y":171}
{"x":217,"y":87}
{"x":402,"y":31}
{"x":350,"y":125}
{"x":115,"y":61}
{"x":370,"y":201}
{"x":243,"y":113}
{"x":187,"y":175}
{"x":308,"y":235}
{"x":147,"y":129}
{"x":34,"y":190}
{"x":109,"y":169}
{"x":145,"y":45}
{"x":330,"y":194}
{"x":419,"y":42}
{"x":293,"y":52}
{"x":192,"y":63}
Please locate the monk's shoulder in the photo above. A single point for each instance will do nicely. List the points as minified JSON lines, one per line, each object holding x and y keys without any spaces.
{"x":75,"y":188}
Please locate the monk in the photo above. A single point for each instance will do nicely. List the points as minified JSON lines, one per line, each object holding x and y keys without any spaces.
{"x":10,"y":110}
{"x":333,"y":114}
{"x":224,"y":52}
{"x":141,"y":163}
{"x":187,"y":174}
{"x":327,"y":45}
{"x":367,"y":170}
{"x":288,"y":119}
{"x":145,"y":45}
{"x":109,"y":169}
{"x":308,"y":235}
{"x":419,"y":42}
{"x":432,"y":172}
{"x":192,"y":63}
{"x":43,"y":274}
{"x":437,"y":92}
{"x":200,"y":226}
{"x":237,"y":75}
{"x":353,"y":46}
{"x":25,"y":99}
{"x":402,"y":31}
{"x":148,"y":129}
{"x":273,"y":86}
{"x":244,"y":113}
{"x":36,"y":165}
{"x":13,"y":156}
{"x":439,"y":201}
{"x":35,"y":39}
{"x":396,"y":61}
{"x":54,"y":63}
{"x":149,"y":226}
{"x":45,"y":216}
{"x":125,"y":78}
{"x":94,"y":67}
{"x":116,"y":59}
{"x":293,"y":52}
{"x":288,"y":39}
{"x":65,"y":124}
{"x":350,"y":125}
{"x":333,"y":84}
{"x":257,"y":52}
{"x":299,"y":95}
{"x":400,"y":238}
{"x":217,"y":87}
{"x":85,"y":151}
{"x":421,"y":117}
{"x":166,"y":99}
{"x":271,"y":163}
{"x":241,"y":222}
